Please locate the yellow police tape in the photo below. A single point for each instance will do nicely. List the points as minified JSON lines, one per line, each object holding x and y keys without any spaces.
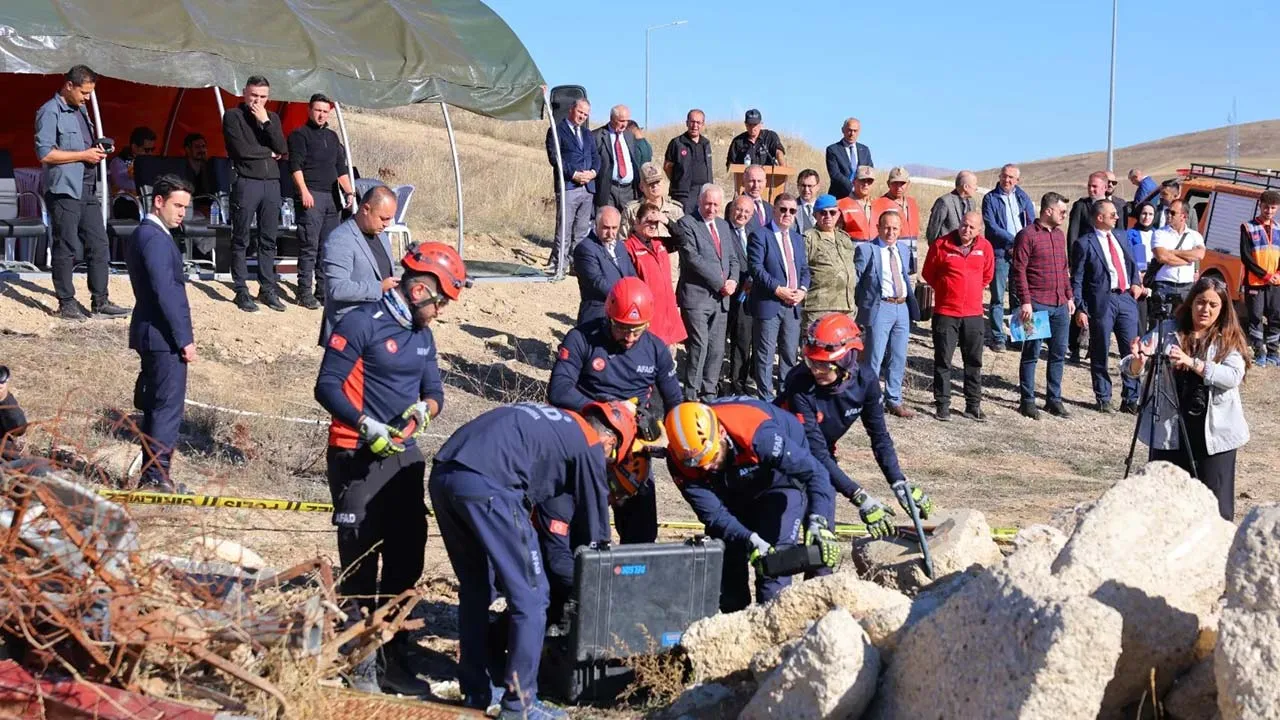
{"x":139,"y":497}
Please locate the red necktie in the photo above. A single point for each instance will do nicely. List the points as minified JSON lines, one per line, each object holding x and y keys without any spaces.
{"x":715,"y":236}
{"x":791,"y":260}
{"x":1121,"y":280}
{"x":622,"y":159}
{"x":760,"y":211}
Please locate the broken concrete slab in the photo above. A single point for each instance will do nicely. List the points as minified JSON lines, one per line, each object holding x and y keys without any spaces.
{"x":722,"y":645}
{"x":886,"y":626}
{"x":962,"y":538}
{"x":1004,"y":646}
{"x":1247,"y":657}
{"x":767,"y":660}
{"x":830,"y":675}
{"x":1153,"y":548}
{"x":1035,"y":547}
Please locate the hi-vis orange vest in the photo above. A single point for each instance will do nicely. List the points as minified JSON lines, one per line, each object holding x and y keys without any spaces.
{"x":909,"y":213}
{"x":856,"y":219}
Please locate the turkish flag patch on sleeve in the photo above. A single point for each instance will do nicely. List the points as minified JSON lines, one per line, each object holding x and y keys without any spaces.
{"x":564,"y":353}
{"x":337,"y":342}
{"x":558,"y":527}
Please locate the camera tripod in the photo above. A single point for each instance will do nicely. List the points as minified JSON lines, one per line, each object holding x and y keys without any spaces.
{"x":1152,"y":387}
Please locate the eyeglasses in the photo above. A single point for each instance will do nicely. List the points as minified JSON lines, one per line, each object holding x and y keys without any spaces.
{"x":650,"y":223}
{"x":786,"y":211}
{"x":629,"y":331}
{"x":1113,"y":182}
{"x":863,"y":181}
{"x":829,"y":212}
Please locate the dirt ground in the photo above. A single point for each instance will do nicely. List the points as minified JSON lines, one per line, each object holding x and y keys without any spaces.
{"x":497,"y":346}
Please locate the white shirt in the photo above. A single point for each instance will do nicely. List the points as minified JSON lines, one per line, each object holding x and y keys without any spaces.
{"x":631,"y":171}
{"x":886,"y":271}
{"x":1168,"y":238}
{"x":160,"y":224}
{"x":611,"y":246}
{"x":1103,"y":239}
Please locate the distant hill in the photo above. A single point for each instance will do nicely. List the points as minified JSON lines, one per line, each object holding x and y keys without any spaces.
{"x":929,"y":171}
{"x":1259,"y":147}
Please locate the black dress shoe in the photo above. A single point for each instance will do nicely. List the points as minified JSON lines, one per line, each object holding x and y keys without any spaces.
{"x":272,"y":301}
{"x":943,"y":412}
{"x":72,"y":311}
{"x":975,"y":414}
{"x":1129,"y":407}
{"x":1029,"y":410}
{"x":1105,"y":407}
{"x":245,"y":303}
{"x":110,"y":309}
{"x":308,"y":301}
{"x":1057,"y":410}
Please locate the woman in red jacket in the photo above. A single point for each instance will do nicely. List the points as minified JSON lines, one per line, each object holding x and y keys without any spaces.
{"x":653,"y":265}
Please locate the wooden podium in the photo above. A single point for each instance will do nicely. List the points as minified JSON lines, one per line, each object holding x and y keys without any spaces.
{"x":775,"y":179}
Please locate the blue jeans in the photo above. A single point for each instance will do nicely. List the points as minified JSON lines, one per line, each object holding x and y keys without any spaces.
{"x":995,"y":311}
{"x":1059,"y":321}
{"x":887,"y":335}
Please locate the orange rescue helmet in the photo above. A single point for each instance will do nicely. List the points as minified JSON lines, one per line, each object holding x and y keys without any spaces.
{"x":693,"y":435}
{"x":618,"y":416}
{"x":831,"y":338}
{"x":630,"y":302}
{"x":440,"y":261}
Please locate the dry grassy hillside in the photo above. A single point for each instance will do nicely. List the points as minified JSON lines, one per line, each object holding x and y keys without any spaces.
{"x":1259,"y":147}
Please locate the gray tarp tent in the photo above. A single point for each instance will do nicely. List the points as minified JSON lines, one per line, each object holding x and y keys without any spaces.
{"x":370,"y":53}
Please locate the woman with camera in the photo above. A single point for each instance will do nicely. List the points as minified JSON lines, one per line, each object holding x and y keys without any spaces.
{"x":1205,"y":352}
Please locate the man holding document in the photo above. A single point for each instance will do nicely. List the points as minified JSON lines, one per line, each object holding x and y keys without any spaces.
{"x":1041,"y":277}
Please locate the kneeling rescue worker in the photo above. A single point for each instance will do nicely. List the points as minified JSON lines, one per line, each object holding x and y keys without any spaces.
{"x":828,"y":393}
{"x":611,"y":358}
{"x":745,"y":468}
{"x":484,"y":483}
{"x":380,"y":382}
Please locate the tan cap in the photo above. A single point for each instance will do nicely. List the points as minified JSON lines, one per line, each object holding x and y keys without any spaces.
{"x":650,"y":173}
{"x":865,"y":172}
{"x":899,"y":174}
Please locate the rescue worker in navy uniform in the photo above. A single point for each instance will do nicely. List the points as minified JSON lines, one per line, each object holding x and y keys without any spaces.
{"x":828,"y":393}
{"x":160,"y":329}
{"x":745,"y":467}
{"x":380,"y":382}
{"x":611,"y":358}
{"x":484,"y":482}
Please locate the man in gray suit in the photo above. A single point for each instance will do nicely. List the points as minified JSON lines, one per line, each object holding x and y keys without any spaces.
{"x":709,"y":268}
{"x":950,"y":208}
{"x":619,"y":180}
{"x":357,"y":258}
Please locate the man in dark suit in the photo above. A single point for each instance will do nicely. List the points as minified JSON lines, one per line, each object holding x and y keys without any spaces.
{"x":844,"y":157}
{"x":579,"y":165}
{"x":886,"y":306}
{"x":160,"y":330}
{"x":619,"y":180}
{"x":779,"y":283}
{"x":600,"y":261}
{"x":738,"y":335}
{"x":1107,"y":284}
{"x":753,"y":182}
{"x":1081,"y":223}
{"x":708,"y":279}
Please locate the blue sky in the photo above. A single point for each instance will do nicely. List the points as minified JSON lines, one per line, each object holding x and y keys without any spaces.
{"x":949,"y":84}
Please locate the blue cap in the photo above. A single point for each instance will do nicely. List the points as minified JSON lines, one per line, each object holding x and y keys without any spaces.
{"x":824,"y":202}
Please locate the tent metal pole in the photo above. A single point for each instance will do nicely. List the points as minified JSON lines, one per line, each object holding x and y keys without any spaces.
{"x":561,"y":205}
{"x":173,"y":120}
{"x":222,"y":108}
{"x":457,"y":170}
{"x":103,"y":192}
{"x":346,"y":143}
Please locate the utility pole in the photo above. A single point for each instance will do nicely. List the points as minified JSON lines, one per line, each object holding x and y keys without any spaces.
{"x":1111,"y":106}
{"x":646,"y":63}
{"x":1233,"y":136}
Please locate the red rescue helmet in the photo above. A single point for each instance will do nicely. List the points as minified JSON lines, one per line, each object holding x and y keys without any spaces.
{"x":619,"y":416}
{"x":630,"y":302}
{"x":831,"y":337}
{"x":441,"y":261}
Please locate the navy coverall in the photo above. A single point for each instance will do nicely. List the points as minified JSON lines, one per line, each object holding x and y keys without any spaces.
{"x":768,"y":486}
{"x":484,"y":483}
{"x":828,"y":412}
{"x":159,"y":329}
{"x":376,"y":367}
{"x":591,"y":366}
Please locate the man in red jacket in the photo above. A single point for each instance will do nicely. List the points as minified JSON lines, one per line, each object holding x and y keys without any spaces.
{"x":959,"y":267}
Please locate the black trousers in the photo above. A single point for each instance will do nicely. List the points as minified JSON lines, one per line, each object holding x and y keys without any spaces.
{"x":738,"y":337}
{"x":1262,"y":304}
{"x":252,"y":198}
{"x":78,"y":232}
{"x":968,"y":333}
{"x":381,"y":515}
{"x":314,"y":225}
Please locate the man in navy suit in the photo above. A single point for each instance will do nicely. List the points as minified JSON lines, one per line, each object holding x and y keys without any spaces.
{"x":579,"y":164}
{"x":753,"y":183}
{"x":160,"y":330}
{"x":1107,"y":285}
{"x":844,"y":157}
{"x":779,"y":283}
{"x":886,"y":305}
{"x":600,"y":261}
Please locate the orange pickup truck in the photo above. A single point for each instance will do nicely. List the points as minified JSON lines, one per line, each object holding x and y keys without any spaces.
{"x":1223,"y":197}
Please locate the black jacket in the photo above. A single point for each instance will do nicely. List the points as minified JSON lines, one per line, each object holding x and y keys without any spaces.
{"x":250,"y":145}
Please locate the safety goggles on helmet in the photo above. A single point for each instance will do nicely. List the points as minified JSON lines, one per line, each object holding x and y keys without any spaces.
{"x":628,"y":331}
{"x":821,"y":366}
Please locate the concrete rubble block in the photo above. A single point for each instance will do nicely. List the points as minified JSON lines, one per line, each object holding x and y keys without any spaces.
{"x":1035,"y":547}
{"x":725,"y":644}
{"x":1247,"y":656}
{"x":768,"y":659}
{"x":962,"y":538}
{"x":886,"y":626}
{"x":697,"y":699}
{"x":1194,"y":695}
{"x":1154,"y":548}
{"x":830,"y":675}
{"x":1004,"y":646}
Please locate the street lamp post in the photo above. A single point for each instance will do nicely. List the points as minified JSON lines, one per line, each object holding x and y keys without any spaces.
{"x":646,"y":63}
{"x":1111,"y":106}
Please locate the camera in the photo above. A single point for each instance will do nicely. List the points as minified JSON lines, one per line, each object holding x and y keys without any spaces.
{"x":107,"y":144}
{"x":1161,"y":306}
